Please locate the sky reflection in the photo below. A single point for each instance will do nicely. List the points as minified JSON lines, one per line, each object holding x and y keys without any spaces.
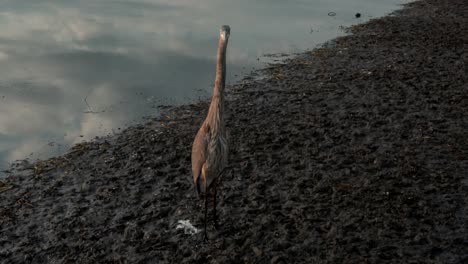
{"x":126,"y":56}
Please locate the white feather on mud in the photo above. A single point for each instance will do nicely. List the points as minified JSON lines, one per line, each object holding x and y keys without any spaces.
{"x":189,"y":229}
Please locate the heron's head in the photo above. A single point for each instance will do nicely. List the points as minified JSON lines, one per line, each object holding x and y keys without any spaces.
{"x":224,"y":32}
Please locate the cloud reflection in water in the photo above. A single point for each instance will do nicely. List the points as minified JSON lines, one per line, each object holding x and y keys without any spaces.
{"x":117,"y":54}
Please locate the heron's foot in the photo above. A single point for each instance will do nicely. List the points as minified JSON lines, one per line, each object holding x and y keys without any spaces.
{"x":215,"y":221}
{"x":205,"y":237}
{"x":222,"y":199}
{"x":216,"y":225}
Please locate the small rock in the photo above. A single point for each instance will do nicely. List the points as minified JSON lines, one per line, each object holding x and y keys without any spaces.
{"x":276,"y":259}
{"x":258,"y":252}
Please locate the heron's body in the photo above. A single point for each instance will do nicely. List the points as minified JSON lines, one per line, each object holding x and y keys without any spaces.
{"x":210,"y":147}
{"x":211,"y":150}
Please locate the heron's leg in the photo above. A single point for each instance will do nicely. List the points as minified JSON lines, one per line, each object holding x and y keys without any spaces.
{"x":205,"y":236}
{"x":215,"y":218}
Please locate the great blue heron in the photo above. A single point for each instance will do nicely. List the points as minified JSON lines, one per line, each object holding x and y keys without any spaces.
{"x":210,"y":147}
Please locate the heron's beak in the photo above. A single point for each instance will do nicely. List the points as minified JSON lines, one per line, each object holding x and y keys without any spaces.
{"x":224,"y":35}
{"x":224,"y":32}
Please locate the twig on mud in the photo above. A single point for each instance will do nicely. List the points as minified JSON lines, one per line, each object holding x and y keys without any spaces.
{"x":6,"y":188}
{"x":90,"y":111}
{"x":24,"y":201}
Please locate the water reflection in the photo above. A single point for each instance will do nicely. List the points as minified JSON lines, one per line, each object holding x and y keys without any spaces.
{"x":125,"y":56}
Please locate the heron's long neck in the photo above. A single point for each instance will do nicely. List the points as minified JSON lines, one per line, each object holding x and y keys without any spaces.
{"x":220,"y":68}
{"x":216,"y":111}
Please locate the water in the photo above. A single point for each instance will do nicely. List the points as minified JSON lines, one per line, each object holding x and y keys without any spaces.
{"x":73,"y":70}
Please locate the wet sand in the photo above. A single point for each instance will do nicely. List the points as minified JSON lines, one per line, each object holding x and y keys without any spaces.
{"x":356,"y":152}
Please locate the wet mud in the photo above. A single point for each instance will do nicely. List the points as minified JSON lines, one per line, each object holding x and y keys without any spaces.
{"x":356,"y":152}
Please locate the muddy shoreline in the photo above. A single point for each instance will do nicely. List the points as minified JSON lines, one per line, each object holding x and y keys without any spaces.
{"x":356,"y":152}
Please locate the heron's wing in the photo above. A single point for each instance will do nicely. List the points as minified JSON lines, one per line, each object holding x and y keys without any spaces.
{"x":200,"y":152}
